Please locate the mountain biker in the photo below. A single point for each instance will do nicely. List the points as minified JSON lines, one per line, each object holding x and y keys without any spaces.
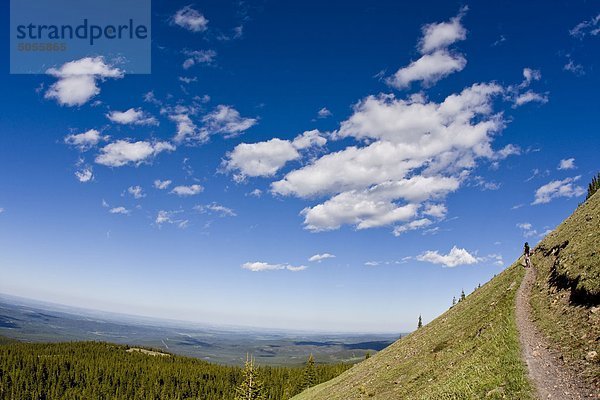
{"x":527,"y":254}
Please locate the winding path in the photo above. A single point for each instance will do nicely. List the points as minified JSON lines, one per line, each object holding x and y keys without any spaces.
{"x":547,"y":372}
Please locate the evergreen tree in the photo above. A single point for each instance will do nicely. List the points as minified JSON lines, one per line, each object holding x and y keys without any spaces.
{"x":593,"y":186}
{"x":420,"y":323}
{"x":367,"y":355}
{"x":251,"y":387}
{"x":310,"y":373}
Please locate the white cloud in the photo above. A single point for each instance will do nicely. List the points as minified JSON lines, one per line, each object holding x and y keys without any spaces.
{"x":590,"y":27}
{"x":443,"y":34}
{"x":206,"y":57}
{"x":412,"y":225}
{"x":86,"y":140}
{"x":573,"y":67}
{"x":188,"y":80}
{"x":119,"y":210}
{"x":324,"y":113}
{"x":529,"y":97}
{"x":320,"y":257}
{"x":258,"y":266}
{"x":455,"y":257}
{"x":436,"y":210}
{"x":309,"y":139}
{"x":568,"y":163}
{"x":84,"y":175}
{"x":132,"y":116}
{"x":260,"y":159}
{"x":558,"y":188}
{"x":190,"y":19}
{"x":530,"y":75}
{"x":136,"y":191}
{"x":409,"y":144}
{"x":227,"y":121}
{"x":162,"y":185}
{"x":216,"y":209}
{"x":256,"y":193}
{"x":436,"y":61}
{"x":428,"y":69}
{"x":187,"y":130}
{"x":1,"y":210}
{"x":190,"y":190}
{"x":527,"y":229}
{"x":123,"y":152}
{"x":77,"y":80}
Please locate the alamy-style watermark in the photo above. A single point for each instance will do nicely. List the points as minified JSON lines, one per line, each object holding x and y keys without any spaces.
{"x":45,"y":34}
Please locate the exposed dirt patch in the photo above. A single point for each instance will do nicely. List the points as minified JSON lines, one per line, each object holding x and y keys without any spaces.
{"x":547,"y":371}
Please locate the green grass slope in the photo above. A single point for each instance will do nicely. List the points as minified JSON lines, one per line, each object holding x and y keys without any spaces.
{"x":566,"y":297}
{"x":470,"y":352}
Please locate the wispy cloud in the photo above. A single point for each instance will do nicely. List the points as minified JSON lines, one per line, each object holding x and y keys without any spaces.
{"x":258,"y":266}
{"x":320,"y":257}
{"x":558,"y":188}
{"x":190,"y":19}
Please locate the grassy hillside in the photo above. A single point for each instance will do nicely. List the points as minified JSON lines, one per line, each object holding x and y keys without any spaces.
{"x":96,"y":370}
{"x":470,"y":352}
{"x":566,"y":297}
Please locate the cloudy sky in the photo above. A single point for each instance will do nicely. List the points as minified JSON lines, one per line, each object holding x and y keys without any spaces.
{"x":337,"y":166}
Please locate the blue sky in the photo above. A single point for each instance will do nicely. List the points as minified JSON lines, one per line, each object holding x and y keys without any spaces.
{"x":412,"y":148}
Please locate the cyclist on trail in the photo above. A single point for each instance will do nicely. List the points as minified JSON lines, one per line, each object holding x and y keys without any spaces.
{"x":527,"y":254}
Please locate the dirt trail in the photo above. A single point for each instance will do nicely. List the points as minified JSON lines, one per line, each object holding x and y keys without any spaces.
{"x":547,"y":371}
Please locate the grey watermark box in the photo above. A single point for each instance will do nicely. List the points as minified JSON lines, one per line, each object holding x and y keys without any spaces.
{"x":46,"y":34}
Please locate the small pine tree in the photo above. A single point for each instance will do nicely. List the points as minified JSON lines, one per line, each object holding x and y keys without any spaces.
{"x":367,"y":355}
{"x":462,"y":295}
{"x":251,"y":387}
{"x":310,"y":373}
{"x":593,"y":186}
{"x":420,"y":323}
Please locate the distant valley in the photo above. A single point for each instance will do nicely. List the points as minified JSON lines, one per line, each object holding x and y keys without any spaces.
{"x":34,"y":321}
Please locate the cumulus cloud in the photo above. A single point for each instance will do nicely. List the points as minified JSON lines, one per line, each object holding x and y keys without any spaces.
{"x":190,"y":19}
{"x":227,"y":121}
{"x":455,"y":257}
{"x":162,"y":185}
{"x":215,"y":208}
{"x":416,"y":151}
{"x":124,"y":152}
{"x":119,"y":210}
{"x":443,"y":34}
{"x":77,"y":80}
{"x":86,"y":140}
{"x":136,"y":191}
{"x":190,"y":190}
{"x":568,"y":163}
{"x":187,"y":130}
{"x":436,"y":61}
{"x":266,"y":158}
{"x":132,"y":116}
{"x":558,"y":188}
{"x":320,"y":257}
{"x":195,"y":57}
{"x":84,"y":175}
{"x":258,"y":266}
